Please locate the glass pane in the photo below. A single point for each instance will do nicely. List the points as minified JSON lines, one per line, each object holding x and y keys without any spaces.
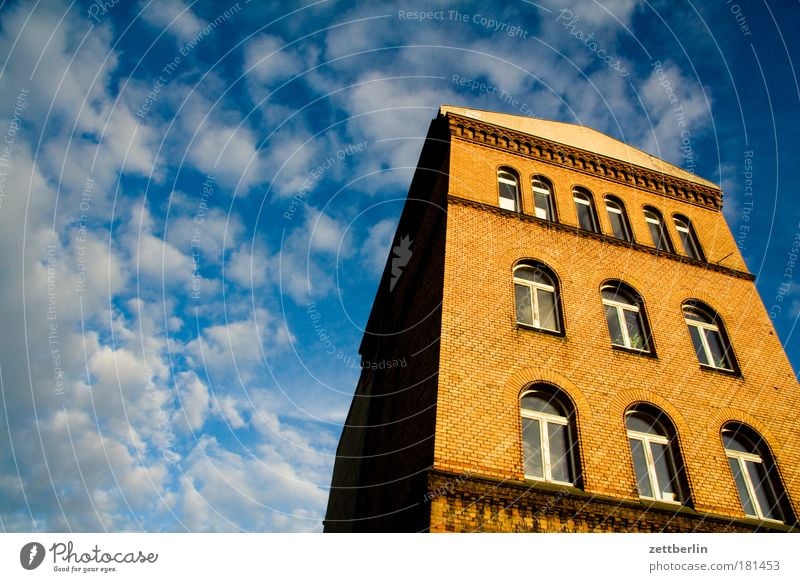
{"x":694,"y":315}
{"x":559,"y":452}
{"x":765,"y":496}
{"x":533,"y":275}
{"x":542,"y":203}
{"x":658,"y":239}
{"x":618,"y":225}
{"x":541,"y":402}
{"x":547,"y":310}
{"x":635,"y":330}
{"x":665,"y":472}
{"x":508,"y":196}
{"x":615,"y":293}
{"x":635,"y":421}
{"x":532,"y":448}
{"x":585,"y":219}
{"x":698,"y":345}
{"x":614,"y":328}
{"x":522,"y":295}
{"x":733,"y":440}
{"x":688,"y":244}
{"x":717,"y":351}
{"x":640,"y":465}
{"x":744,"y":496}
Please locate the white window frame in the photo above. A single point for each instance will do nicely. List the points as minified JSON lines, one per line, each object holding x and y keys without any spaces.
{"x":743,"y":458}
{"x":547,"y":191}
{"x":653,"y":218}
{"x":532,"y":287}
{"x":646,"y":439}
{"x":544,"y":439}
{"x":612,"y":206}
{"x":585,"y":199}
{"x":620,"y":308}
{"x":501,"y":178}
{"x":704,"y":327}
{"x":683,"y":226}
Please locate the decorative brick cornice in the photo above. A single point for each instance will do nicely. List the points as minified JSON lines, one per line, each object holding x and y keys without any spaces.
{"x":584,"y":161}
{"x":599,"y":236}
{"x":472,"y":503}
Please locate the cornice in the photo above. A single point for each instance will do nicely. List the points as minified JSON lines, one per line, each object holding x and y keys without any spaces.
{"x":583,"y":161}
{"x":599,"y":237}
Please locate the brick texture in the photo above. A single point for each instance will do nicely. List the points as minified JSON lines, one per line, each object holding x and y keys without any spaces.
{"x":473,"y":447}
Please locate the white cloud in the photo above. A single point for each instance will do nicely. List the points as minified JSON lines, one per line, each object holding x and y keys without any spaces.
{"x":248,"y":269}
{"x":180,"y":19}
{"x":376,"y":246}
{"x":266,"y":59}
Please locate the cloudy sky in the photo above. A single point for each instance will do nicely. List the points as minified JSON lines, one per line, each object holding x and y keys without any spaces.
{"x":184,"y":184}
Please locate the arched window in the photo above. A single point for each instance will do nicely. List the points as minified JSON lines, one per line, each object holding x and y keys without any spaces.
{"x":757,"y":481}
{"x":657,"y":230}
{"x":543,"y":198}
{"x":584,"y":206}
{"x":536,"y":297}
{"x":625,"y":317}
{"x":618,"y":218}
{"x":549,"y":448}
{"x":655,"y":455}
{"x":508,"y":186}
{"x":691,"y":245}
{"x":708,"y":336}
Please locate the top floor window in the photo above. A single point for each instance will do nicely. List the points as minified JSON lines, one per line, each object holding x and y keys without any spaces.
{"x":584,"y":206}
{"x":618,"y":218}
{"x":543,"y":198}
{"x":657,"y":230}
{"x":508,"y":186}
{"x":691,"y":246}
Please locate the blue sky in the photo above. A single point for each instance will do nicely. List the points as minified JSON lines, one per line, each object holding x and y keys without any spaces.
{"x":198,"y":200}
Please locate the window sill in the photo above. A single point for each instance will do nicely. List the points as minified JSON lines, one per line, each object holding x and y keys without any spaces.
{"x":666,"y":505}
{"x":525,"y":327}
{"x":555,"y":486}
{"x":650,"y":354}
{"x":723,"y":371}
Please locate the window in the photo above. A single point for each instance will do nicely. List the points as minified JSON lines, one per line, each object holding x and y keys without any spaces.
{"x":584,"y":206}
{"x":625,"y":317}
{"x":657,"y":231}
{"x":754,"y":473}
{"x":691,"y":246}
{"x":655,"y":458}
{"x":543,"y":198}
{"x":509,"y":189}
{"x":708,"y":336}
{"x":618,"y":218}
{"x":536,"y":296}
{"x":547,"y":442}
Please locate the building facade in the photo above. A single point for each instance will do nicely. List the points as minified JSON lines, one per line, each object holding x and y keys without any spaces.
{"x":585,"y":350}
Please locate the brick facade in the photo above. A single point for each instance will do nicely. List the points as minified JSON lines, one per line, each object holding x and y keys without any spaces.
{"x":457,"y":423}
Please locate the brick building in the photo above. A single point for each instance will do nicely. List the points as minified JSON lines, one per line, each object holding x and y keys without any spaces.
{"x":565,"y":338}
